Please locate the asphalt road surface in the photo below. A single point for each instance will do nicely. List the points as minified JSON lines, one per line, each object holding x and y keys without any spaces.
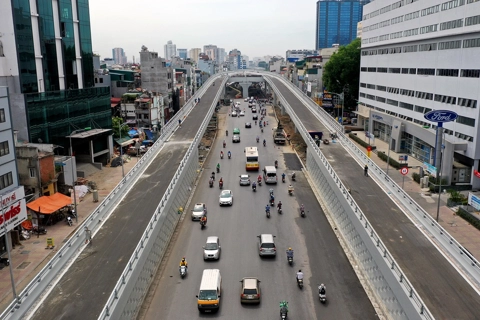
{"x":444,"y":291}
{"x":317,"y":251}
{"x":84,"y":289}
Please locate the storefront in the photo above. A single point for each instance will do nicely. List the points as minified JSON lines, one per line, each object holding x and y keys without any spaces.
{"x":13,"y":212}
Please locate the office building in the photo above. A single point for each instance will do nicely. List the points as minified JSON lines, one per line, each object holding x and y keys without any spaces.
{"x":194,"y":53}
{"x":119,"y":56}
{"x":47,"y":63}
{"x":418,"y":57}
{"x":337,"y":22}
{"x":182,"y":53}
{"x":234,"y":59}
{"x":211,"y":51}
{"x":170,"y":50}
{"x":220,"y":55}
{"x":293,"y":55}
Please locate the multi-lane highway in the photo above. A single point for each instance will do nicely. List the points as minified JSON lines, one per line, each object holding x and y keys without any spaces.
{"x":317,"y":251}
{"x":444,"y":291}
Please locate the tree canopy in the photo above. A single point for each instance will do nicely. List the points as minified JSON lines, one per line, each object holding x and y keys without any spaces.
{"x":342,"y":72}
{"x":116,"y":123}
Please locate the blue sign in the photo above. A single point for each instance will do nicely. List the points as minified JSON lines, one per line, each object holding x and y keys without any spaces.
{"x":377,"y":117}
{"x":440,"y":116}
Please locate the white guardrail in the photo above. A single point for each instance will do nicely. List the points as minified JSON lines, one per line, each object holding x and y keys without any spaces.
{"x":129,"y":292}
{"x":469,"y":265}
{"x":74,"y":246}
{"x":410,"y":303}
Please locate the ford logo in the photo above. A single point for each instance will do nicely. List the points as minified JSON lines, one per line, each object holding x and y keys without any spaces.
{"x":441,"y":116}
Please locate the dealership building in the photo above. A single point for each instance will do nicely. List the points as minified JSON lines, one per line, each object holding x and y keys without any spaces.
{"x":419,"y":56}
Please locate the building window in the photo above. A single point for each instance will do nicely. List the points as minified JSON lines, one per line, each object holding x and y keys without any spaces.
{"x":470,"y":73}
{"x":452,"y":4}
{"x":431,"y":10}
{"x":469,"y":103}
{"x":428,"y":29}
{"x":6,"y":180}
{"x":363,"y":85}
{"x":370,"y":86}
{"x":426,"y":72}
{"x":4,"y":149}
{"x":450,"y":45}
{"x":470,"y":21}
{"x":427,"y":47}
{"x":472,"y":1}
{"x":393,"y":70}
{"x":466,"y":121}
{"x":453,"y":24}
{"x":471,"y":43}
{"x":445,"y":99}
{"x":392,"y":102}
{"x":406,"y":105}
{"x":424,"y":95}
{"x":381,"y":88}
{"x":32,"y":172}
{"x":381,"y":99}
{"x":2,"y":115}
{"x":447,"y":72}
{"x":382,"y":70}
{"x":362,"y":94}
{"x":413,"y":48}
{"x":372,"y":70}
{"x":101,"y":80}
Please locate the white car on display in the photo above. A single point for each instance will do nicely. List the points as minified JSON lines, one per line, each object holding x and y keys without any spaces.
{"x":226,"y":198}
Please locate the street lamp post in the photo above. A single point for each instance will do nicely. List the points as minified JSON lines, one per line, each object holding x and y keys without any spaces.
{"x":73,"y":175}
{"x":389,"y":147}
{"x":121,"y":147}
{"x":439,"y":174}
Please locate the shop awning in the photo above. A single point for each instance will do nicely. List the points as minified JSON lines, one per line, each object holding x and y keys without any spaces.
{"x":124,"y":141}
{"x":50,"y":204}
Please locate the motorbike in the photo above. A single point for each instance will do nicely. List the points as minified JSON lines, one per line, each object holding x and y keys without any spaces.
{"x":322,"y":296}
{"x":283,"y":313}
{"x":224,"y":144}
{"x":221,"y":155}
{"x":210,"y":183}
{"x":226,"y":133}
{"x":279,"y":210}
{"x":220,"y":184}
{"x":293,"y":176}
{"x":290,"y":260}
{"x":39,"y":230}
{"x":302,"y":211}
{"x":5,"y":261}
{"x":229,"y":156}
{"x":258,"y":140}
{"x":259,"y":182}
{"x":183,"y":271}
{"x":69,"y":221}
{"x":300,"y":283}
{"x":272,"y":201}
{"x":276,"y":164}
{"x":283,"y":179}
{"x":290,"y":192}
{"x":254,"y":188}
{"x":268,"y":213}
{"x":202,"y":224}
{"x":218,"y":170}
{"x":262,"y":132}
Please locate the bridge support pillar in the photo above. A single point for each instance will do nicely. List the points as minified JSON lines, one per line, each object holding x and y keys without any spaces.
{"x":245,"y":87}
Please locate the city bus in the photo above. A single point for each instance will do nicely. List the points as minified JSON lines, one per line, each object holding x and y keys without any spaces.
{"x":251,"y":153}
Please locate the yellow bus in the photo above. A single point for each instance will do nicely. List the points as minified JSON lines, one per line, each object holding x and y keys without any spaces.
{"x":251,"y":154}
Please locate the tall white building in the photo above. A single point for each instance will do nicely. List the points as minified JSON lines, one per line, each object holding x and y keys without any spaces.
{"x":170,"y":50}
{"x":119,"y":56}
{"x":211,"y":51}
{"x":419,"y":56}
{"x":194,"y":53}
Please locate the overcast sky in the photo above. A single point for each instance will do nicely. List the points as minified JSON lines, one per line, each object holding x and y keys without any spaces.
{"x":255,"y":27}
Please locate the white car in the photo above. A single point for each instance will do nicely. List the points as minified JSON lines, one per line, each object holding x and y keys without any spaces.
{"x":199,"y":210}
{"x":245,"y":100}
{"x":242,"y":114}
{"x":244,"y":180}
{"x":211,"y":250}
{"x":226,"y":198}
{"x":234,"y":114}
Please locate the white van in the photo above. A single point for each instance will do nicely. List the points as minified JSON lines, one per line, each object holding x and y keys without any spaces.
{"x":208,"y":298}
{"x":270,"y":174}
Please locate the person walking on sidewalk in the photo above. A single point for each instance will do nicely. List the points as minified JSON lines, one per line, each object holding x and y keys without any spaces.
{"x":365,"y":171}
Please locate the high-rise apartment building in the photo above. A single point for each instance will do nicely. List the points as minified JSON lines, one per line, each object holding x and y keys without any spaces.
{"x":182,"y":53}
{"x":194,"y":53}
{"x":418,"y":57}
{"x":119,"y":56}
{"x":211,"y":51}
{"x":234,"y":59}
{"x":170,"y":50}
{"x":337,"y":21}
{"x":46,"y":60}
{"x":220,"y":55}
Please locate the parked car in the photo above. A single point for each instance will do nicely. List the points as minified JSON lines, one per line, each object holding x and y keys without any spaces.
{"x":212,"y":248}
{"x":226,"y":198}
{"x":199,"y":210}
{"x":250,"y":292}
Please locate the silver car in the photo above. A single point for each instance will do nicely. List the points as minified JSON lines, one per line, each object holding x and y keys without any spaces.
{"x":199,"y":210}
{"x":234,"y":114}
{"x":212,"y":248}
{"x":244,"y":180}
{"x":226,"y":198}
{"x":236,"y":138}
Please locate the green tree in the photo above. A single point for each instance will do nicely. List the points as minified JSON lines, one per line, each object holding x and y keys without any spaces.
{"x":116,"y":123}
{"x":342,"y":72}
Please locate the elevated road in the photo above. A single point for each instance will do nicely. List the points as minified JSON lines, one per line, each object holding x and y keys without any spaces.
{"x":442,"y":288}
{"x":317,"y":251}
{"x":84,"y":289}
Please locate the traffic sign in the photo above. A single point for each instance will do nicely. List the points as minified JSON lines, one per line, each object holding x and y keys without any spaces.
{"x":404,"y":171}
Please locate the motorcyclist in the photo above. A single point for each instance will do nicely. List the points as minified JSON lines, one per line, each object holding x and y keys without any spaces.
{"x":221,"y":154}
{"x":302,"y":208}
{"x":220,"y":181}
{"x":213,"y":176}
{"x":224,"y":143}
{"x":293,"y":176}
{"x":183,"y":262}
{"x":290,"y":253}
{"x":276,"y":163}
{"x":218,"y":166}
{"x":258,"y":139}
{"x":283,"y":307}
{"x":283,"y":176}
{"x":211,"y":181}
{"x":254,"y":185}
{"x":229,"y":154}
{"x":322,"y":289}
{"x":264,"y":142}
{"x":279,"y":205}
{"x":267,"y":208}
{"x":259,"y":179}
{"x":365,"y":171}
{"x":226,"y":132}
{"x":203,"y":220}
{"x":255,"y":122}
{"x":299,"y":275}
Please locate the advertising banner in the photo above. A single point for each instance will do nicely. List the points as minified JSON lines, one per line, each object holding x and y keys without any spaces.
{"x":474,"y":201}
{"x":13,"y":210}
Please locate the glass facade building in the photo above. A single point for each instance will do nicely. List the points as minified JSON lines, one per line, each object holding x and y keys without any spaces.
{"x":337,"y":22}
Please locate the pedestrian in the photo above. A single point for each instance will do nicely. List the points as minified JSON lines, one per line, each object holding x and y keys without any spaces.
{"x":365,"y":171}
{"x":179,"y":122}
{"x":264,"y":123}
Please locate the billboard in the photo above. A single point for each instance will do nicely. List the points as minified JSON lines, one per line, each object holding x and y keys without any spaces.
{"x":13,"y":210}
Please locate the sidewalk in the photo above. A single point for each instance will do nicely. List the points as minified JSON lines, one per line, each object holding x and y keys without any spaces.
{"x":467,"y":235}
{"x":31,"y":256}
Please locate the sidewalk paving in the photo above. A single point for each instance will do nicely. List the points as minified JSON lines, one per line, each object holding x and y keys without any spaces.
{"x":31,"y":256}
{"x":467,"y":235}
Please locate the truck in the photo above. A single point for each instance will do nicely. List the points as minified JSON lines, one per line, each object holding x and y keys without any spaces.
{"x":278,"y":134}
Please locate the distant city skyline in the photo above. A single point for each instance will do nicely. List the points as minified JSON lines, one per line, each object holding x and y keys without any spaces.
{"x":256,"y":34}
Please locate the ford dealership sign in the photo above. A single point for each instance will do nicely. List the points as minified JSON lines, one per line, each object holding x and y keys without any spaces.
{"x":441,"y":116}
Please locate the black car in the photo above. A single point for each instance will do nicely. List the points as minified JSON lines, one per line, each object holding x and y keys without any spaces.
{"x":254,"y":110}
{"x":248,"y":125}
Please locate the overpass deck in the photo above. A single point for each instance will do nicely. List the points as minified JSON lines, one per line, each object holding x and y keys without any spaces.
{"x":445,"y":292}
